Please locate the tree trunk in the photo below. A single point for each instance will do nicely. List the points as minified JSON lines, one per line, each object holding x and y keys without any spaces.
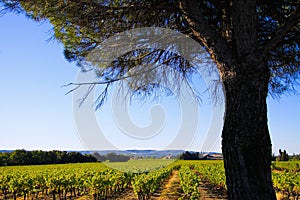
{"x":246,"y":143}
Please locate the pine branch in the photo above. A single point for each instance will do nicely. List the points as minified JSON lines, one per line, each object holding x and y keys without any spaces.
{"x":208,"y":36}
{"x":292,"y":21}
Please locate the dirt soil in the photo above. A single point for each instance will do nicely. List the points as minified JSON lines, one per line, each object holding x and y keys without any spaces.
{"x":170,"y":189}
{"x":210,"y":192}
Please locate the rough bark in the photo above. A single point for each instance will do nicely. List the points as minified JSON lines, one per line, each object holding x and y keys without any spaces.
{"x":246,"y":143}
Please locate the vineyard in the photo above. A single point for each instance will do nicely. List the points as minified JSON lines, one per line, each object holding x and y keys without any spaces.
{"x":143,"y":179}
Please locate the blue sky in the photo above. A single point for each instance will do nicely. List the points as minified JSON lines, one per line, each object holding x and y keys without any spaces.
{"x":35,"y":113}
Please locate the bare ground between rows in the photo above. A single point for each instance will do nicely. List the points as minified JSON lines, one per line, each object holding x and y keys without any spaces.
{"x":127,"y":194}
{"x":170,"y":188}
{"x":211,"y":192}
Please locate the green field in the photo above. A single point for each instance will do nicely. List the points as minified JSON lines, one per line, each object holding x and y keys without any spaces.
{"x":142,"y":178}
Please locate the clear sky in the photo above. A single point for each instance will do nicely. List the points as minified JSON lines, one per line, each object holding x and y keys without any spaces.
{"x":35,"y":113}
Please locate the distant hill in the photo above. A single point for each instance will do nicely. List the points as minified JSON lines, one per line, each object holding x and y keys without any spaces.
{"x":148,"y":153}
{"x":3,"y":151}
{"x":142,"y":153}
{"x":137,"y":153}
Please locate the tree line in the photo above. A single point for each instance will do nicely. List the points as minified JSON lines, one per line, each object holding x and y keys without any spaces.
{"x":112,"y":157}
{"x":38,"y":157}
{"x":190,"y":156}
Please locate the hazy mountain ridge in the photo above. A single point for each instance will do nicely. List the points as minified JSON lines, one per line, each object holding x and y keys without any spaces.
{"x":134,"y":152}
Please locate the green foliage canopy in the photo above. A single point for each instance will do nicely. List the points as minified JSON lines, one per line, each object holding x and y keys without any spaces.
{"x":82,"y":25}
